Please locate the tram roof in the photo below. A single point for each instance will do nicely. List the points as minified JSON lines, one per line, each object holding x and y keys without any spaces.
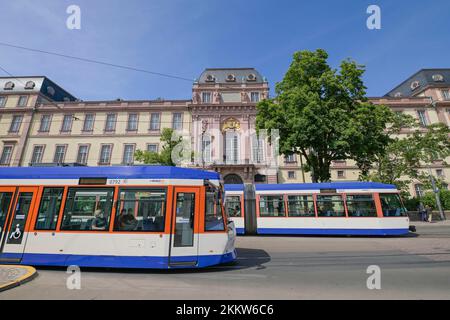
{"x":312,"y":186}
{"x":321,"y":186}
{"x":119,"y":172}
{"x":233,"y":187}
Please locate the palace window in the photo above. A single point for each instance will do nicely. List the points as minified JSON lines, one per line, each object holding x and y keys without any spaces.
{"x":152,"y":147}
{"x":88,"y":125}
{"x":419,"y":190}
{"x":5,"y":158}
{"x":83,"y":152}
{"x":155,"y":121}
{"x":60,"y":153}
{"x":110,"y":125}
{"x":38,"y":152}
{"x":232,"y":147}
{"x":206,"y":97}
{"x":290,"y":158}
{"x":15,"y":124}
{"x":254,"y":97}
{"x":446,"y":94}
{"x":177,"y":122}
{"x":3,"y":101}
{"x":206,"y":149}
{"x":422,"y":117}
{"x":341,"y":174}
{"x":132,"y":124}
{"x":128,"y":154}
{"x":105,"y":154}
{"x":45,"y":123}
{"x":67,"y":123}
{"x":257,"y":149}
{"x":22,"y":101}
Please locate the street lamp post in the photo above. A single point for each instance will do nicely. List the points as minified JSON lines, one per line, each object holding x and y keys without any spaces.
{"x":436,"y":194}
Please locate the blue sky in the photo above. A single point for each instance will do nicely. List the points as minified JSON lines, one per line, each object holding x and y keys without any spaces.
{"x":183,"y":37}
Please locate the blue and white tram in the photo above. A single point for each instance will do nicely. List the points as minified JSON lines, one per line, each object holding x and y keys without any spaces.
{"x":344,"y":208}
{"x":127,"y":217}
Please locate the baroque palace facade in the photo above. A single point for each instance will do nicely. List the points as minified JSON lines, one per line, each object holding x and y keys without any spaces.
{"x":42,"y":124}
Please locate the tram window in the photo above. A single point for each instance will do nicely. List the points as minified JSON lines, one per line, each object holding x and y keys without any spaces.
{"x":185,"y":216}
{"x":141,"y":210}
{"x":330,"y":206}
{"x":5,"y":200}
{"x":49,"y":209}
{"x":213,"y":211}
{"x":301,"y":206}
{"x":88,"y":209}
{"x":392,"y":205}
{"x":233,"y":206}
{"x":271,"y":206}
{"x":361,"y":205}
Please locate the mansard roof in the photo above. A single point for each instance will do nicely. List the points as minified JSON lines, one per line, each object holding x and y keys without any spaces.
{"x":420,"y":81}
{"x":230,"y":75}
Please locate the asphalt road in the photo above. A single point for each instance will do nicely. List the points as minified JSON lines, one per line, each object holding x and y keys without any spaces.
{"x":415,"y":267}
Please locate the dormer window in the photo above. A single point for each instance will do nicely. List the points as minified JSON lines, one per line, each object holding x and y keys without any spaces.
{"x":210,"y":78}
{"x":251,"y":77}
{"x":51,"y":91}
{"x":415,"y":85}
{"x":438,"y":78}
{"x":9,"y":85}
{"x":231,"y":78}
{"x":30,"y":85}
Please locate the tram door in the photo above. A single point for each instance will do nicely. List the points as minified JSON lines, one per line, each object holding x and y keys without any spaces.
{"x":13,"y":236}
{"x":184,"y":238}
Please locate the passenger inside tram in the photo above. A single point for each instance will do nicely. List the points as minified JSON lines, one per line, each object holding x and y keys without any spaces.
{"x":99,"y":222}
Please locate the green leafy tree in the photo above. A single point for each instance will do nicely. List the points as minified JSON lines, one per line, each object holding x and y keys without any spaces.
{"x":165,"y":156}
{"x":430,"y":199}
{"x":324,"y":115}
{"x":407,"y":157}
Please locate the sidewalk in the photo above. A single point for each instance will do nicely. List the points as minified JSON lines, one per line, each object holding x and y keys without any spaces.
{"x":13,"y":276}
{"x":433,"y":223}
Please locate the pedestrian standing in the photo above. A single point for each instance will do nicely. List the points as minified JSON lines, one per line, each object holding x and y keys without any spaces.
{"x":429,"y":213}
{"x":422,"y":212}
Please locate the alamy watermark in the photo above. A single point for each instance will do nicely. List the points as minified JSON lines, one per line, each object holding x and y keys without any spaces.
{"x":374,"y":280}
{"x":374,"y":20}
{"x":73,"y":282}
{"x":73,"y":21}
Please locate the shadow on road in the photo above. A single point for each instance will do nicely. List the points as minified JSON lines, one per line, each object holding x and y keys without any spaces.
{"x":324,"y":236}
{"x":247,"y":258}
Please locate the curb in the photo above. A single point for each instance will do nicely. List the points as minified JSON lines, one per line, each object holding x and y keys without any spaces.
{"x":30,"y":275}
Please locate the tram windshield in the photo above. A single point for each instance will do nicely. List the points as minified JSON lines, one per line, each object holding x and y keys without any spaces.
{"x":392,"y":205}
